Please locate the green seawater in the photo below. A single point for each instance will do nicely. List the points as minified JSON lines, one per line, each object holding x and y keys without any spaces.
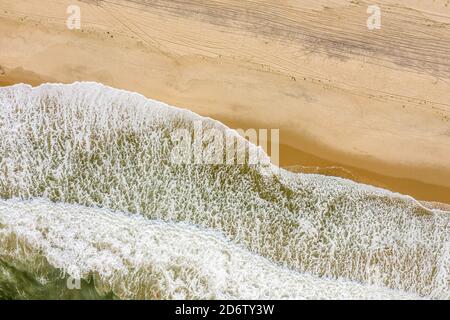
{"x":49,"y":284}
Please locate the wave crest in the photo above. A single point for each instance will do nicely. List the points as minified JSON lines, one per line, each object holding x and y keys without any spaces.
{"x":137,"y":258}
{"x":93,"y":145}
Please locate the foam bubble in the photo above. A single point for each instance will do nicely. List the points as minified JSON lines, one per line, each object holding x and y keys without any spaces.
{"x":139,"y":258}
{"x":96,"y":146}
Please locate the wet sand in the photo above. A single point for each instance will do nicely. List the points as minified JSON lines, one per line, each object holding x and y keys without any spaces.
{"x":373,"y":106}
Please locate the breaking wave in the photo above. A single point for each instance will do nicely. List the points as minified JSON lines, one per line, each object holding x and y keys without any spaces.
{"x":89,"y":145}
{"x":129,"y":256}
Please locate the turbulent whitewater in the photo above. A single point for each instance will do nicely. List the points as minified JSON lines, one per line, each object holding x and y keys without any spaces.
{"x":89,"y":190}
{"x":133,"y":257}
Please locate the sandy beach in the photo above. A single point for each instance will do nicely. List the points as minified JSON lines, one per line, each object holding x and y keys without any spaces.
{"x":369,"y":105}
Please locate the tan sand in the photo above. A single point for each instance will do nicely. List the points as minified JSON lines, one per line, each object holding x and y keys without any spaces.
{"x":375,"y":104}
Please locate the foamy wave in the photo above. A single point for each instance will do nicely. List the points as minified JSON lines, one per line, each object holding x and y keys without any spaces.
{"x":96,"y":146}
{"x":135,"y":257}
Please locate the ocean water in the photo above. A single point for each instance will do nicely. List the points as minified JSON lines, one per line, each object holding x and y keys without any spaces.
{"x":89,"y":190}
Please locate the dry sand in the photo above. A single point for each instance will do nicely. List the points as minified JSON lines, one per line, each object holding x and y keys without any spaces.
{"x":373,"y":106}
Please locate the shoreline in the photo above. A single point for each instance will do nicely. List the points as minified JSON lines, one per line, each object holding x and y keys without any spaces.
{"x":299,"y":161}
{"x":340,"y":109}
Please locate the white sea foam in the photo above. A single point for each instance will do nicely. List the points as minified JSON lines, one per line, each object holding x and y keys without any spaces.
{"x":97,"y":146}
{"x":139,"y":258}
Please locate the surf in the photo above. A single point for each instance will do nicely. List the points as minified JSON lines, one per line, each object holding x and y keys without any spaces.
{"x":95,"y":146}
{"x":127,"y":256}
